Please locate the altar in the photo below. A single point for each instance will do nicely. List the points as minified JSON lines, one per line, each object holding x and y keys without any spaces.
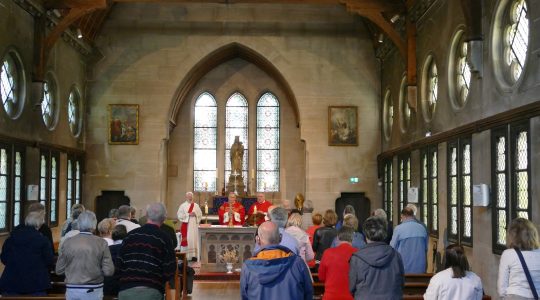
{"x":215,"y":239}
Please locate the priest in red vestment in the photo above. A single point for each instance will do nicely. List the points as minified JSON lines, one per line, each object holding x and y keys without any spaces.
{"x":259,"y":208}
{"x":232,"y":212}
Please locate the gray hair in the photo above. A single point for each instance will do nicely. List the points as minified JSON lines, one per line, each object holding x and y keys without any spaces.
{"x":76,"y":210}
{"x":113,"y":213}
{"x":269,"y":233}
{"x":380,"y":213}
{"x":308,"y":206}
{"x":295,"y":220}
{"x":279,"y":216}
{"x":105,"y":226}
{"x":345,"y":234}
{"x":124,"y":211}
{"x":87,"y":221}
{"x":413,"y":208}
{"x":35,"y":219}
{"x":375,"y":229}
{"x":156,"y":212}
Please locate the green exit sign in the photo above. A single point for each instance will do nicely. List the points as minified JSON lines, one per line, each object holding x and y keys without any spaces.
{"x":353,"y":180}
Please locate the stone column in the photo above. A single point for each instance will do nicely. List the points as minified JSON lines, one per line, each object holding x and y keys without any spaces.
{"x":163,"y":162}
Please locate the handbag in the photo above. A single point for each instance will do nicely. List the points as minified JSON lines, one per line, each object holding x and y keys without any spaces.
{"x":527,"y":273}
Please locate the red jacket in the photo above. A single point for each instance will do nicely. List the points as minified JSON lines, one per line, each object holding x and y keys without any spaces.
{"x":334,"y":272}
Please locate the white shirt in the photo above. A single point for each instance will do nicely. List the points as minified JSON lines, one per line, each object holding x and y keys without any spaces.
{"x":129,"y":225}
{"x":443,"y":286}
{"x":512,"y":279}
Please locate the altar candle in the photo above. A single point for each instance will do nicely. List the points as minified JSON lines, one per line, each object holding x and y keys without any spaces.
{"x":255,"y":209}
{"x":205,"y":209}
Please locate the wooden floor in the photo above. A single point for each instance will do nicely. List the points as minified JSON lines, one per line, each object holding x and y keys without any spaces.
{"x":222,"y":290}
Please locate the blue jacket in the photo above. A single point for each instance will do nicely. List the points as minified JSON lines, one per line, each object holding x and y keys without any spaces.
{"x":275,"y":273}
{"x":27,"y":255}
{"x":358,"y":241}
{"x":411,"y":241}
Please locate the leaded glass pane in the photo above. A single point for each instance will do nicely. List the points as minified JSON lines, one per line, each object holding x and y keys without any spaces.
{"x":73,"y":112}
{"x":501,"y":154}
{"x":53,"y":167}
{"x":523,"y":190}
{"x":3,"y":215}
{"x":205,"y":160}
{"x":466,"y":190}
{"x":9,"y":81}
{"x":17,"y":214}
{"x":268,"y":160}
{"x":467,"y":159}
{"x":205,"y":116}
{"x":463,"y":73}
{"x":42,"y":189}
{"x":268,"y":99}
{"x":268,"y":117}
{"x":453,"y":189}
{"x":202,"y":177}
{"x":267,"y":138}
{"x":3,"y":188}
{"x":453,"y":227}
{"x":69,"y":171}
{"x":435,"y":219}
{"x":453,"y":162}
{"x":18,"y":163}
{"x":77,"y":170}
{"x":467,"y":220}
{"x":501,"y":229}
{"x":47,"y":104}
{"x":18,"y":185}
{"x":433,"y":85}
{"x":205,"y":138}
{"x":43,"y":169}
{"x":523,"y":214}
{"x":53,"y":188}
{"x":517,"y":38}
{"x":205,"y":99}
{"x":434,"y":163}
{"x":3,"y":161}
{"x":522,"y":154}
{"x":53,"y":210}
{"x":268,"y":181}
{"x":501,"y":190}
{"x":236,"y":124}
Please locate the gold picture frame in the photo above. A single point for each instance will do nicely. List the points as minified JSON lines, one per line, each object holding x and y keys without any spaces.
{"x":342,"y":126}
{"x":123,"y":124}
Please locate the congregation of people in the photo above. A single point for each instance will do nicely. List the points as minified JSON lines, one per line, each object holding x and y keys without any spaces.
{"x":133,"y":259}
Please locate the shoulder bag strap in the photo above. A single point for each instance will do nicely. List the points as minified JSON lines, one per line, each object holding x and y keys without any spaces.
{"x":527,"y":273}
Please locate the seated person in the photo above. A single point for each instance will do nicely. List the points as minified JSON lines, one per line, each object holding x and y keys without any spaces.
{"x":231,"y":212}
{"x":260,"y":208}
{"x":456,"y":282}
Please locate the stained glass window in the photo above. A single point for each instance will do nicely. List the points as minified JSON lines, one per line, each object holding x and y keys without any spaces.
{"x":521,"y":188}
{"x":404,"y":163}
{"x":433,"y":79}
{"x":205,"y":143}
{"x":516,"y":38}
{"x":268,"y":143}
{"x":48,"y":184}
{"x":48,"y":103}
{"x":463,"y":72}
{"x":4,"y":187}
{"x":429,"y":204}
{"x":74,"y":183}
{"x":236,"y":124}
{"x":500,"y":186}
{"x":74,"y":112}
{"x":11,"y":84}
{"x":388,"y":114}
{"x":460,"y":214}
{"x":387,"y":189}
{"x":18,"y":186}
{"x":404,"y":108}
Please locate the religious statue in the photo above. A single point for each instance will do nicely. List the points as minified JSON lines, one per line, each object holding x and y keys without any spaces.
{"x":299,"y":201}
{"x":237,"y":156}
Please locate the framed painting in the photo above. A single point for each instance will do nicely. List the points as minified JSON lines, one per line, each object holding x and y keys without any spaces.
{"x":123,"y":124}
{"x":342,"y":126}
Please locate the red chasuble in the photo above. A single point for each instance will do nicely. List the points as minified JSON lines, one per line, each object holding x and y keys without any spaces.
{"x":237,"y":207}
{"x":261,"y":208}
{"x":183,"y":228}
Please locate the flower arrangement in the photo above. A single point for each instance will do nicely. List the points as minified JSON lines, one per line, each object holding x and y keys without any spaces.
{"x":229,"y":256}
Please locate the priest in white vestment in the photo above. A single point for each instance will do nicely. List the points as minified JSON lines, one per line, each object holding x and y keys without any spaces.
{"x":190,"y":215}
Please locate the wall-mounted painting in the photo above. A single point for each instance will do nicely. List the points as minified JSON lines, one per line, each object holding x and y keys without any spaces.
{"x":123,"y":124}
{"x":342,"y":126}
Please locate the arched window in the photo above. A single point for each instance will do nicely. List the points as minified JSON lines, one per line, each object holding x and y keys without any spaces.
{"x":388,"y":115}
{"x":268,"y":143}
{"x":205,"y":143}
{"x":516,"y":38}
{"x":460,"y":72}
{"x":431,"y":88}
{"x":74,"y":115}
{"x":404,"y":109}
{"x":48,"y":104}
{"x":236,"y":124}
{"x":12,"y":84}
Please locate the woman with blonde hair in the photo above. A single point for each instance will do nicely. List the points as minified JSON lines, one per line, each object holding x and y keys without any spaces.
{"x":519,"y":269}
{"x":294,"y":228}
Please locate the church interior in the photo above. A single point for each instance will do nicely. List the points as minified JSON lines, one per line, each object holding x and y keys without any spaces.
{"x":432,"y":102}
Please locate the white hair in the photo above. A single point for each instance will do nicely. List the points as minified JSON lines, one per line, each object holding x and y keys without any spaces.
{"x":87,"y":221}
{"x":380,"y":213}
{"x":156,"y":212}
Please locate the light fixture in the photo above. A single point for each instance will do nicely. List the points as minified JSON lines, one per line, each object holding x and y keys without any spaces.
{"x":79,"y":33}
{"x":428,"y":134}
{"x":394,"y":18}
{"x":381,"y":37}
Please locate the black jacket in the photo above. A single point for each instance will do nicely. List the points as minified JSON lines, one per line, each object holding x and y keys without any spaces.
{"x":322,"y":240}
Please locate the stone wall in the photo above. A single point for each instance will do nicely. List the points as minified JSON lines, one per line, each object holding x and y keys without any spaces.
{"x":435,"y":31}
{"x":323,"y":52}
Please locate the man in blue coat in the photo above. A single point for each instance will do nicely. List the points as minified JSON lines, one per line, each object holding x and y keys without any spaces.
{"x":411,"y":241}
{"x":275,"y":272}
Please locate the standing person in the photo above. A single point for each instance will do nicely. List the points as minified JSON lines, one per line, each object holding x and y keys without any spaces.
{"x":124,"y":218}
{"x":380,"y":213}
{"x":376,"y":270}
{"x":348,"y":210}
{"x":105,"y":228}
{"x":189,"y":214}
{"x":358,"y":239}
{"x":411,"y":241}
{"x":317,"y":220}
{"x":324,"y":236}
{"x":275,"y":272}
{"x":334,"y":267}
{"x":456,"y":282}
{"x":513,"y":283}
{"x":294,"y":228}
{"x":146,"y":259}
{"x":44,"y":228}
{"x":307,"y":215}
{"x":261,"y":206}
{"x":76,"y":210}
{"x":27,"y":256}
{"x":85,"y":259}
{"x":231,"y":212}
